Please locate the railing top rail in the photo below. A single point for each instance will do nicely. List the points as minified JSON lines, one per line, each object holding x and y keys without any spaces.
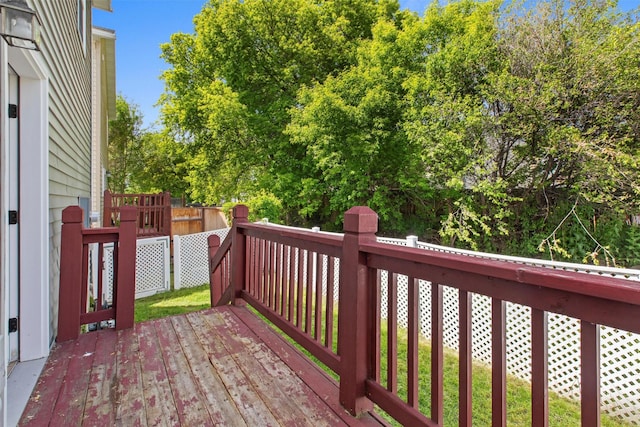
{"x":100,"y":231}
{"x":225,"y":245}
{"x":608,"y":288}
{"x":137,"y":194}
{"x":322,"y":242}
{"x":110,"y":237}
{"x":288,"y":227}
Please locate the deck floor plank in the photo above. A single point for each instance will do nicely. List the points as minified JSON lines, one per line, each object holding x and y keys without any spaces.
{"x":43,"y":400}
{"x":253,"y":410}
{"x":292,"y":400}
{"x":160,"y":406}
{"x":319,"y":382}
{"x":247,"y":353}
{"x":218,"y":401}
{"x":186,"y":394}
{"x":69,"y":408}
{"x":222,"y":366}
{"x":99,"y":405}
{"x":128,"y":396}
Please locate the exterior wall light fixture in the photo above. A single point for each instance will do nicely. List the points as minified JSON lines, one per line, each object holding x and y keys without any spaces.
{"x":19,"y":24}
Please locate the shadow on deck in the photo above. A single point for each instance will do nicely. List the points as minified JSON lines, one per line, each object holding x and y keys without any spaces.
{"x":222,"y":366}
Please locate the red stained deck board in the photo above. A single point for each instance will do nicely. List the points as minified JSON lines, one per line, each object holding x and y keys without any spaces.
{"x":221,"y":366}
{"x":186,"y":394}
{"x":99,"y":407}
{"x":244,"y":396}
{"x":69,"y":407}
{"x":160,"y":407}
{"x":216,"y":397}
{"x":40,"y":407}
{"x":129,"y":400}
{"x":319,"y":382}
{"x":288,"y":402}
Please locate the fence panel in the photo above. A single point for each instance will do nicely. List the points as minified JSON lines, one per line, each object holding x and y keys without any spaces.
{"x":153,"y":268}
{"x":190,"y":258}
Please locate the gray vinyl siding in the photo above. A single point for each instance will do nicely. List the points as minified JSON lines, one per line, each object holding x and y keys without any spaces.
{"x":69,"y":66}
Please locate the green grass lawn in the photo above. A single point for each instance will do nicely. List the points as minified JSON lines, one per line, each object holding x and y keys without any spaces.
{"x":563,"y":412}
{"x":172,"y":303}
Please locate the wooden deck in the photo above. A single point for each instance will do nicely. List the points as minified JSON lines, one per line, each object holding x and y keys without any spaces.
{"x":222,"y":366}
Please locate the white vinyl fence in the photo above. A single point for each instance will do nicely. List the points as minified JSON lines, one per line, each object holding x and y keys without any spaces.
{"x":153,"y":259}
{"x":191,"y":258}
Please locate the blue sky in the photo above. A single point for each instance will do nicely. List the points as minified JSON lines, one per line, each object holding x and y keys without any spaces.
{"x":142,"y":25}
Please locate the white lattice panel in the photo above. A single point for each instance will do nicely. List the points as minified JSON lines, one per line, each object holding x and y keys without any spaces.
{"x":564,"y":355}
{"x":191,"y":258}
{"x":450,"y":322}
{"x":481,"y":328}
{"x":620,"y":373}
{"x":107,"y":274}
{"x":519,"y":341}
{"x":153,"y":258}
{"x":152,"y":267}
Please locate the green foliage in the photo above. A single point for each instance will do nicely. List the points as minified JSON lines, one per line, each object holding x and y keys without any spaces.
{"x":124,"y":145}
{"x":232,"y":83}
{"x":471,"y":126}
{"x":265,"y":205}
{"x":142,"y":161}
{"x":630,"y":248}
{"x":162,"y":165}
{"x":262,"y":205}
{"x":348,"y":126}
{"x":227,"y":210}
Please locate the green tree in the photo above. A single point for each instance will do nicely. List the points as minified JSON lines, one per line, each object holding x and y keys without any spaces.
{"x":350,"y":128}
{"x":162,"y":165}
{"x":232,"y":83}
{"x":124,"y":142}
{"x":564,"y":115}
{"x":478,"y":125}
{"x":447,"y":117}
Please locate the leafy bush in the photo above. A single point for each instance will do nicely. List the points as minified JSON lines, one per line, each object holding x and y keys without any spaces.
{"x":262,"y":205}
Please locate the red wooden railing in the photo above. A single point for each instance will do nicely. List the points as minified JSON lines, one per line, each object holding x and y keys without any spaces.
{"x":219,"y":270}
{"x":74,"y":260}
{"x":153,"y":212}
{"x":287,"y":275}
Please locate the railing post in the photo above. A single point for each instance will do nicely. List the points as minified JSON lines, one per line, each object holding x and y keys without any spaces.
{"x":215,"y":277}
{"x":167,"y":214}
{"x":70,"y":274}
{"x":360,"y":226}
{"x":126,"y":283}
{"x":106,"y":209}
{"x":238,"y":249}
